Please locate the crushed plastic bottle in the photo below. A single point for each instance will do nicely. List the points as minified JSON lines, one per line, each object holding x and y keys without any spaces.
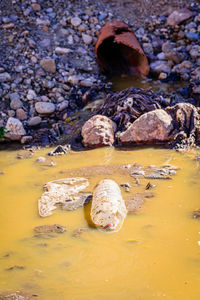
{"x":108,"y":208}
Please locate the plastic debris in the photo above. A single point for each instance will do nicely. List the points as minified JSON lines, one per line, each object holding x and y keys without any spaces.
{"x":63,"y":191}
{"x":108,"y":208}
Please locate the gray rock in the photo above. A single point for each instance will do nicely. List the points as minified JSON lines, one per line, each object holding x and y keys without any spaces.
{"x":76,"y":21}
{"x":161,"y":56}
{"x":148,"y":48}
{"x":4,"y":77}
{"x":192,"y":36}
{"x":87,"y":39}
{"x":151,"y":127}
{"x":34,"y":121}
{"x":15,"y":129}
{"x":63,"y":105}
{"x":31,"y":95}
{"x":75,"y":79}
{"x":41,"y":159}
{"x":14,"y":96}
{"x":159,"y":66}
{"x":15,"y":103}
{"x":48,"y":65}
{"x":45,"y":108}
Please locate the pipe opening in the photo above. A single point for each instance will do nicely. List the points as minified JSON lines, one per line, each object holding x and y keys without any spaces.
{"x":117,"y":58}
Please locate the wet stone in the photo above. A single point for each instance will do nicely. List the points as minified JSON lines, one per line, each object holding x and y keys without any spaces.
{"x":60,"y":150}
{"x":196,"y":214}
{"x":15,"y":267}
{"x":77,"y":233}
{"x":45,"y":229}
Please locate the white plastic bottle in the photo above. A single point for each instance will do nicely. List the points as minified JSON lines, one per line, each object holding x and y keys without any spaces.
{"x":108,"y":208}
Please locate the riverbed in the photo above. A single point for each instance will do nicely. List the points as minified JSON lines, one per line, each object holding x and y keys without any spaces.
{"x":155,"y":255}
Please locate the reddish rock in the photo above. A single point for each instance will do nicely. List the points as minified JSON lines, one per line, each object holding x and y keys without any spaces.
{"x":151,"y":127}
{"x":21,"y":114}
{"x":98,"y":132}
{"x":118,"y":50}
{"x":178,"y":16}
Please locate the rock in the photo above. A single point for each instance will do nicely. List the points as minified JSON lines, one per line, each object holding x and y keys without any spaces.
{"x":15,"y":104}
{"x":16,"y":296}
{"x":87,"y":82}
{"x":78,"y":201}
{"x":162,"y":76}
{"x":34,"y":121}
{"x":48,"y":65}
{"x":161,"y":56}
{"x":59,"y":150}
{"x":75,"y":79}
{"x":186,"y":124}
{"x":15,"y":129}
{"x":45,"y":229}
{"x":63,"y":105}
{"x":31,"y":95}
{"x":148,"y":48}
{"x":4,"y":77}
{"x":134,"y":204}
{"x":26,"y":139}
{"x":196,"y":214}
{"x":178,"y":16}
{"x":45,"y":108}
{"x":87,"y":39}
{"x":41,"y":159}
{"x":36,"y":7}
{"x":63,"y":192}
{"x":77,"y":233}
{"x":98,"y":131}
{"x":76,"y":21}
{"x":192,"y":36}
{"x":62,"y":51}
{"x":21,"y":114}
{"x":160,"y":66}
{"x":14,"y":96}
{"x":151,"y":127}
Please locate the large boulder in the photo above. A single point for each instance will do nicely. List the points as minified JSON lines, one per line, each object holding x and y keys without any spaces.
{"x":98,"y":131}
{"x":15,"y":129}
{"x":151,"y":127}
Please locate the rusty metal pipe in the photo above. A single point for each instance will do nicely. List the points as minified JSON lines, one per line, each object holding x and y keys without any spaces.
{"x":118,"y":50}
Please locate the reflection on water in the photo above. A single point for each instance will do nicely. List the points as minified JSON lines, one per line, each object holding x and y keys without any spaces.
{"x":125,"y":81}
{"x":156,"y":254}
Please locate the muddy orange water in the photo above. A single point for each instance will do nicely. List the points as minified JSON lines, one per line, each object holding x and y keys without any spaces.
{"x":155,"y":255}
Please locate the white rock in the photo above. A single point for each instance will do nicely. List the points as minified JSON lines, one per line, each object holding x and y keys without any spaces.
{"x":45,"y":108}
{"x":15,"y":129}
{"x":76,"y":21}
{"x":41,"y":159}
{"x":61,"y":51}
{"x":31,"y":95}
